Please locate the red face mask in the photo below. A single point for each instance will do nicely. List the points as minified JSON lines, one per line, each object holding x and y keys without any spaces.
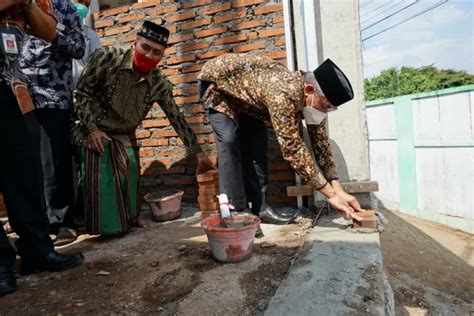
{"x":143,"y":63}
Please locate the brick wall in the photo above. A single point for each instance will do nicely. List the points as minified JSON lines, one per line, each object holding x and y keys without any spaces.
{"x":200,"y":30}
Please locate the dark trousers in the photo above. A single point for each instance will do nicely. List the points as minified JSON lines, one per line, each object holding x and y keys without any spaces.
{"x":20,"y":181}
{"x":242,"y":159}
{"x":56,"y":159}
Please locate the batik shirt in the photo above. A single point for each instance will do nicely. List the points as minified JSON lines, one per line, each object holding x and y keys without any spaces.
{"x":265,"y":89}
{"x":48,"y":66}
{"x":109,"y":98}
{"x":13,"y":19}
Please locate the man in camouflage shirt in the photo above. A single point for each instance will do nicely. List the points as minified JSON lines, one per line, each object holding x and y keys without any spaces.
{"x":117,"y":89}
{"x":243,"y":91}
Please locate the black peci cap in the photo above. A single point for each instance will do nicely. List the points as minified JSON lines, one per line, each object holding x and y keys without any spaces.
{"x":334,"y":83}
{"x":154,"y":32}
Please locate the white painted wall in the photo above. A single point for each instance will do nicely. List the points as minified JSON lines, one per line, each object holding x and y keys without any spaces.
{"x":443,"y":130}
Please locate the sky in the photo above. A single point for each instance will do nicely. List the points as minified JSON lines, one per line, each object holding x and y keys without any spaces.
{"x":443,"y":36}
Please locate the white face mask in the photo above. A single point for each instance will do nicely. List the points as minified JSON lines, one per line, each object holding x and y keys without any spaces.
{"x":313,"y":116}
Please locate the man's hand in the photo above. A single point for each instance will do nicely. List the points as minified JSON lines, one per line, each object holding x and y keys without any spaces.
{"x":95,"y":141}
{"x":203,"y":164}
{"x":342,"y":206}
{"x":5,"y":4}
{"x":351,"y":200}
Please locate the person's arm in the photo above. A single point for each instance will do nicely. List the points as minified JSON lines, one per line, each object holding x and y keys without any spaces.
{"x":40,"y":18}
{"x":5,"y":4}
{"x":70,"y":41}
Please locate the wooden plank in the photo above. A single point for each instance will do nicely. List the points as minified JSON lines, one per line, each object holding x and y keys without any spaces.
{"x":349,"y":187}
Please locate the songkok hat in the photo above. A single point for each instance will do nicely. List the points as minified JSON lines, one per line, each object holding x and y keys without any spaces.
{"x":154,"y":32}
{"x":334,"y":83}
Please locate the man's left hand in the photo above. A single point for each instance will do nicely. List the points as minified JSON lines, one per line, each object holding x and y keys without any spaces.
{"x":351,"y":200}
{"x":203,"y":164}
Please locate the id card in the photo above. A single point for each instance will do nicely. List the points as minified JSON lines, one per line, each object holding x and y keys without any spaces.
{"x":9,"y":44}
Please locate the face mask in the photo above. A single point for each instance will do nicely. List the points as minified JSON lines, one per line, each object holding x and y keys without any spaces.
{"x":313,"y":116}
{"x":143,"y":63}
{"x":82,"y":10}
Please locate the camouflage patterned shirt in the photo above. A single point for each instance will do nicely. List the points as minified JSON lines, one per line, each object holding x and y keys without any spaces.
{"x":265,"y":89}
{"x":109,"y":98}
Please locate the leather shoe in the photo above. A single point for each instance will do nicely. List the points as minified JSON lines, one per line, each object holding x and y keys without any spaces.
{"x":7,"y":281}
{"x":53,"y":262}
{"x":267,"y":215}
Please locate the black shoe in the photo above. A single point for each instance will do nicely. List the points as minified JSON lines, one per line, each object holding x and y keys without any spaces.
{"x":259,"y":232}
{"x":7,"y":281}
{"x":53,"y":262}
{"x":268,"y":216}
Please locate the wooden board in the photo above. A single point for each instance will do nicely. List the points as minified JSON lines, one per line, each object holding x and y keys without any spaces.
{"x":349,"y":187}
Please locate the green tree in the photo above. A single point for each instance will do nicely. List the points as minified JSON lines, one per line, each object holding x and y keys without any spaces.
{"x":393,"y":82}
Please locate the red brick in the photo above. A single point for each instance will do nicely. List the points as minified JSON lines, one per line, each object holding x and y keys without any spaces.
{"x":217,"y":8}
{"x":196,"y":24}
{"x":175,"y":181}
{"x":212,"y":138}
{"x":154,"y":142}
{"x":196,"y":3}
{"x":158,"y":21}
{"x":170,"y":71}
{"x":155,"y":123}
{"x":180,"y":59}
{"x":245,"y":3}
{"x":197,"y":109}
{"x":117,"y":30}
{"x":105,"y":23}
{"x":248,"y":47}
{"x":268,"y":9}
{"x":177,"y":92}
{"x":192,"y":89}
{"x":278,"y":19}
{"x":202,"y":130}
{"x":159,"y":114}
{"x":210,"y":32}
{"x":114,"y":11}
{"x":108,"y":42}
{"x":172,"y":29}
{"x":179,"y":38}
{"x":248,"y":25}
{"x":195,"y":46}
{"x":280,"y":41}
{"x":150,"y":3}
{"x":231,"y":39}
{"x":212,"y":54}
{"x":253,"y":35}
{"x":172,"y":152}
{"x":183,"y":78}
{"x":170,"y":50}
{"x":142,"y":134}
{"x":163,"y":10}
{"x":165,"y":133}
{"x":271,"y":32}
{"x":145,"y":153}
{"x":181,"y":17}
{"x":186,"y":100}
{"x":367,"y":222}
{"x":281,"y":176}
{"x":128,"y":38}
{"x":96,"y":16}
{"x":230,"y":16}
{"x":276,"y":55}
{"x":193,"y":68}
{"x":195,"y":119}
{"x":131,"y":17}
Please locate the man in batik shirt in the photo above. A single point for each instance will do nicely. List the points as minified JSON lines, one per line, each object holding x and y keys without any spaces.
{"x":243,"y":91}
{"x":20,"y":166}
{"x":117,"y":89}
{"x":48,"y":69}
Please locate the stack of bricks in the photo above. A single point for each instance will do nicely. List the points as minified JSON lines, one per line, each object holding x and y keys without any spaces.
{"x":3,"y":208}
{"x":200,"y":30}
{"x":208,"y":191}
{"x":369,"y":220}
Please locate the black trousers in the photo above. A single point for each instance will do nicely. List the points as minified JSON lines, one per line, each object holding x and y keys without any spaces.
{"x":21,"y":181}
{"x":242,"y":158}
{"x":56,"y":158}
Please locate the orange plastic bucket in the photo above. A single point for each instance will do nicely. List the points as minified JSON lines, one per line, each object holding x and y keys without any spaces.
{"x":234,"y":243}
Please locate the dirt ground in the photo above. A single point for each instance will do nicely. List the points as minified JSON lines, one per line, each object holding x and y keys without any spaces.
{"x":430,"y":267}
{"x":166,"y":269}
